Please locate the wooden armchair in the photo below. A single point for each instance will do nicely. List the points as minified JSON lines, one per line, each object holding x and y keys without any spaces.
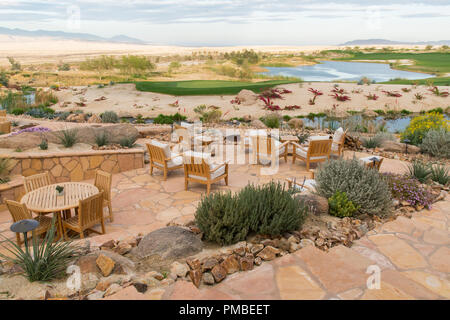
{"x":337,"y":146}
{"x":36,"y":181}
{"x":197,"y":168}
{"x":103,"y":181}
{"x":163,"y":158}
{"x":370,"y":162}
{"x":20,"y":212}
{"x":317,"y":151}
{"x":90,"y":213}
{"x":266,"y":148}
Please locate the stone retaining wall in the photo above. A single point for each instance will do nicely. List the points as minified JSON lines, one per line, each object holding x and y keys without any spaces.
{"x":12,"y":190}
{"x":77,"y":166}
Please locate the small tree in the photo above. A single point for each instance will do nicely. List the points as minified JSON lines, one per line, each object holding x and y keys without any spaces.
{"x":15,"y":65}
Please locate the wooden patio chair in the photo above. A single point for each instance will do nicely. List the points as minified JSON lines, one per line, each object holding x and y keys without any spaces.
{"x":20,"y":212}
{"x":36,"y":181}
{"x":103,"y":181}
{"x":265,"y":147}
{"x":163,"y":158}
{"x":317,"y":151}
{"x":370,"y":162}
{"x":90,"y":213}
{"x":337,"y":146}
{"x":198,"y":168}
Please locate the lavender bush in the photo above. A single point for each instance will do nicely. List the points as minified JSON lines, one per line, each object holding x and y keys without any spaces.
{"x":405,"y":188}
{"x":32,"y":129}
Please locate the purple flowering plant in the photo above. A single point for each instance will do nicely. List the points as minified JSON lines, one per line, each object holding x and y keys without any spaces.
{"x":32,"y":129}
{"x":405,"y":188}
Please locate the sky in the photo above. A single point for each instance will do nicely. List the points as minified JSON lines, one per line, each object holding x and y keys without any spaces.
{"x":236,"y":22}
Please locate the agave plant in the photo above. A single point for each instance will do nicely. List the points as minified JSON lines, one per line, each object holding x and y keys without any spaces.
{"x":418,"y":96}
{"x":269,"y":104}
{"x":339,"y":91}
{"x":292,"y":107}
{"x":372,"y":96}
{"x":438,"y":93}
{"x":340,"y":97}
{"x":47,"y":260}
{"x":392,"y":93}
{"x":316,"y":93}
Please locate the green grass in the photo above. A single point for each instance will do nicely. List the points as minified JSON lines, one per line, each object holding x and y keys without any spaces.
{"x":444,"y":81}
{"x":206,"y":87}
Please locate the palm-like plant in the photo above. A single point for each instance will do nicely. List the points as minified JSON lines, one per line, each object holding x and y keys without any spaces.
{"x":419,"y":170}
{"x":47,"y":260}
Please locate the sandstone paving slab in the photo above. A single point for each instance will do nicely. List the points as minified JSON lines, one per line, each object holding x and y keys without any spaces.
{"x":405,"y":284}
{"x":386,"y":292}
{"x":295,"y":284}
{"x":401,"y":224}
{"x":436,"y":236}
{"x":440,"y":260}
{"x":438,"y":285}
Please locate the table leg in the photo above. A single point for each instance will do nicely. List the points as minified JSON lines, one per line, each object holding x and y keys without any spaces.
{"x":59,"y":222}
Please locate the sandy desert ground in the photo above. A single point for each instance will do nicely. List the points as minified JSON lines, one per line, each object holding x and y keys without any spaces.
{"x":127,"y":101}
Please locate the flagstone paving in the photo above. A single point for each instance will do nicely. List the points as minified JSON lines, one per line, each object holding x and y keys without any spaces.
{"x":412,"y":254}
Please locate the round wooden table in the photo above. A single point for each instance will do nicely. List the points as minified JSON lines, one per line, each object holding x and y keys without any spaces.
{"x":45,"y":200}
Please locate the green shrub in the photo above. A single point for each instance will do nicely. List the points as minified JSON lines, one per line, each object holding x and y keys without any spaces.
{"x":272,"y":121}
{"x":371,"y":142}
{"x":46,"y":261}
{"x":5,"y":168}
{"x":169,"y":119}
{"x":340,"y":206}
{"x":269,"y":209}
{"x":17,"y":111}
{"x":437,"y":143}
{"x":419,"y":170}
{"x":440,"y":174}
{"x":101,"y":139}
{"x":109,"y":117}
{"x":128,"y":142}
{"x":420,"y":125}
{"x":68,"y":137}
{"x":366,"y":188}
{"x":4,"y":79}
{"x":43,"y":145}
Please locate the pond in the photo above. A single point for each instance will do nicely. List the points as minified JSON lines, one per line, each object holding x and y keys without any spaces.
{"x":349,"y":71}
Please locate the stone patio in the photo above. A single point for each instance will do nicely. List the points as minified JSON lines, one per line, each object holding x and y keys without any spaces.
{"x":413,"y":254}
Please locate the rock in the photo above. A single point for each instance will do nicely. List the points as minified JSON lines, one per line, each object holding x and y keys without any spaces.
{"x":196,"y":277}
{"x":88,"y":281}
{"x":113,"y":288}
{"x":370,"y":114}
{"x":156,"y":275}
{"x":180,"y":269}
{"x":94,"y":119}
{"x":96,"y":295}
{"x":209,"y":263}
{"x":140,"y":287}
{"x":240,"y":251}
{"x":246,"y":263}
{"x":76,"y":117}
{"x":208,"y":278}
{"x":231,"y":264}
{"x":123,"y":248}
{"x":145,"y":131}
{"x":258,"y":124}
{"x":258,"y":261}
{"x":88,"y":263}
{"x":295,"y":123}
{"x":169,"y":243}
{"x":167,"y":282}
{"x":268,"y":253}
{"x":219,"y":273}
{"x":318,"y":203}
{"x":306,"y":242}
{"x":105,"y":264}
{"x":257,"y":248}
{"x":394,"y":146}
{"x":247,"y":118}
{"x":247,"y":97}
{"x":282,"y":244}
{"x":293,"y":246}
{"x":108,"y":244}
{"x":194,"y":264}
{"x":292,"y":239}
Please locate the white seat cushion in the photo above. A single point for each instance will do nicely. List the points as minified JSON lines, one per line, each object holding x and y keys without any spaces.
{"x":368,"y":159}
{"x":315,"y":138}
{"x":176,"y":161}
{"x":214,"y":175}
{"x":338,"y":135}
{"x":302,"y":154}
{"x":164,"y":146}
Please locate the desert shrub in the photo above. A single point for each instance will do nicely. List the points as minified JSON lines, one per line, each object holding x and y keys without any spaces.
{"x":340,"y":206}
{"x":17,"y":111}
{"x":169,"y":119}
{"x":43,"y":145}
{"x":5,"y":168}
{"x":101,"y":139}
{"x":440,"y":174}
{"x":63,"y":67}
{"x":272,"y":121}
{"x":269,"y":209}
{"x":132,"y":64}
{"x":109,"y":117}
{"x":48,"y":260}
{"x":405,"y":188}
{"x":41,"y":112}
{"x":364,"y":187}
{"x":436,"y":143}
{"x":68,"y":137}
{"x":128,"y":142}
{"x":420,"y":125}
{"x":4,"y":79}
{"x":371,"y":142}
{"x":419,"y":170}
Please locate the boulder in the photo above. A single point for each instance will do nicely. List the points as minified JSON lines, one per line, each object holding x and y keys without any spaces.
{"x":370,"y":114}
{"x":295,"y":123}
{"x":169,"y":243}
{"x":105,"y":264}
{"x":394,"y":146}
{"x":247,"y":97}
{"x":318,"y":203}
{"x":76,"y":117}
{"x":258,"y":124}
{"x":145,"y":131}
{"x":122,"y":264}
{"x":268,"y":253}
{"x":94,"y":119}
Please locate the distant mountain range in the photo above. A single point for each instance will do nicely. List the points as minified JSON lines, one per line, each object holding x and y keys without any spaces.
{"x":368,"y":42}
{"x":69,"y":35}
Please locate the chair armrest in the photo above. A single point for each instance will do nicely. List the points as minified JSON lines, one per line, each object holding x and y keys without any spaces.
{"x":284,"y":144}
{"x":218,"y":167}
{"x":296,"y":145}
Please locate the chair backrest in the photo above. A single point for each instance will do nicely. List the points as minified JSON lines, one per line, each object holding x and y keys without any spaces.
{"x":90,"y":210}
{"x":36,"y":181}
{"x":262,"y":143}
{"x":156,"y":153}
{"x":103,"y":182}
{"x":196,"y":166}
{"x":319,"y":148}
{"x":182,"y":132}
{"x":18,"y":210}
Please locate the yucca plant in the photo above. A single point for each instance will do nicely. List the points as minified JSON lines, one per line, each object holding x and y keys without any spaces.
{"x":371,"y":143}
{"x":47,"y":260}
{"x":68,"y":137}
{"x":440,"y":173}
{"x":419,"y":170}
{"x":128,"y":142}
{"x":101,"y":139}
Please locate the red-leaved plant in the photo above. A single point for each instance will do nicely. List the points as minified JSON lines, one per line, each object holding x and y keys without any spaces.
{"x":269,"y":104}
{"x":437,"y":92}
{"x":372,"y":96}
{"x":292,"y":107}
{"x":392,"y":93}
{"x":340,"y":97}
{"x":316,"y":93}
